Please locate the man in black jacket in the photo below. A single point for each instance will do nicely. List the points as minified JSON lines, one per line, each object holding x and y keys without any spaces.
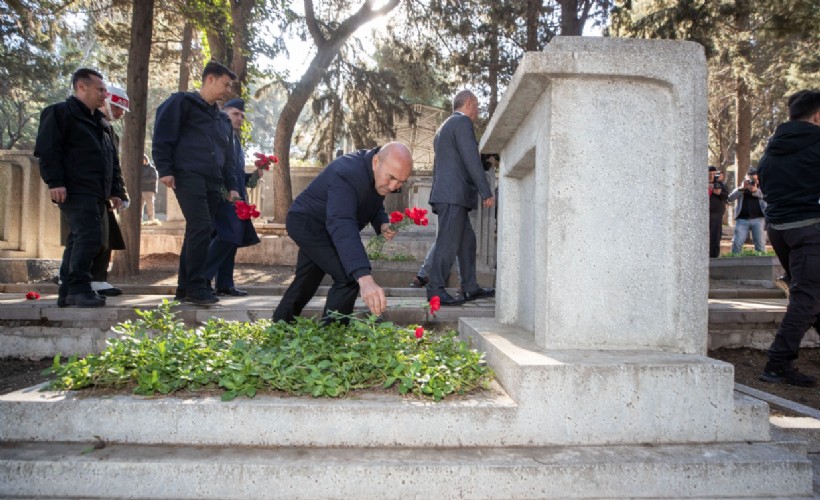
{"x":789,"y":174}
{"x":325,"y":221}
{"x":77,"y":162}
{"x":193,"y":153}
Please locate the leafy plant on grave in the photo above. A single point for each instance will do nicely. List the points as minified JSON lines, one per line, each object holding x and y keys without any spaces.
{"x":156,"y":354}
{"x":749,"y":253}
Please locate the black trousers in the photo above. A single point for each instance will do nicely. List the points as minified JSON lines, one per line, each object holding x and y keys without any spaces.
{"x":313,"y":262}
{"x":455,"y":237}
{"x":198,"y":198}
{"x":799,"y":253}
{"x":84,"y":215}
{"x":220,"y":263}
{"x":715,"y":234}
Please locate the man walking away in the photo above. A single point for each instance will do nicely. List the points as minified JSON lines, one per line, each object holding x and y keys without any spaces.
{"x":789,"y":174}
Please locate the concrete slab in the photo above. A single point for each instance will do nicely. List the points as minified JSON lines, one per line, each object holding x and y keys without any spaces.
{"x":737,"y":470}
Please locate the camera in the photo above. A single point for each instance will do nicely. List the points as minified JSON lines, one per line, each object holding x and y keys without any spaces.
{"x":717,"y":185}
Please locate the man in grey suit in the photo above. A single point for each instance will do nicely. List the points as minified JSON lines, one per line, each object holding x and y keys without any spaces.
{"x":458,"y":179}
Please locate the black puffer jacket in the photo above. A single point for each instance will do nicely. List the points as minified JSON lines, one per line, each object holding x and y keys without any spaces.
{"x":789,"y":173}
{"x":192,"y":135}
{"x":76,"y":151}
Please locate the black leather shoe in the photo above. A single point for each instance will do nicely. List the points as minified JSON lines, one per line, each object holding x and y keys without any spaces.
{"x":233,"y":292}
{"x":480,"y":293}
{"x":84,"y":299}
{"x":62,"y":292}
{"x":109,"y":292}
{"x":202,"y":297}
{"x":419,"y":282}
{"x":447,"y":299}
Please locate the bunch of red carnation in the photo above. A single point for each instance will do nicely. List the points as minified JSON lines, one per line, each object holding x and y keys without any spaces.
{"x":398,"y":220}
{"x":264,"y":161}
{"x":245,"y":211}
{"x":418,"y":215}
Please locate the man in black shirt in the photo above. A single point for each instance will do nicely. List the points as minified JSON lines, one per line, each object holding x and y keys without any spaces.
{"x":717,"y":207}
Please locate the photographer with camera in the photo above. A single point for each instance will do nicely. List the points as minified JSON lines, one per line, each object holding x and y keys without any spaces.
{"x":749,"y":214}
{"x":718,"y":197}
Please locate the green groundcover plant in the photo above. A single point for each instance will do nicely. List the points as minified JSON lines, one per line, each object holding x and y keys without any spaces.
{"x":157,"y":354}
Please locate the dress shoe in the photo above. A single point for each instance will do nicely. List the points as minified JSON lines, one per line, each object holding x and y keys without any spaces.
{"x":202,"y":297}
{"x":479,"y":294}
{"x":419,"y":282}
{"x":109,"y":292}
{"x":233,"y":292}
{"x":84,"y":299}
{"x":62,"y":293}
{"x":447,"y":299}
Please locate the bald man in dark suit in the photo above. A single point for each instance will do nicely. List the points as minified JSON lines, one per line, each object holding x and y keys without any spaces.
{"x":458,"y":180}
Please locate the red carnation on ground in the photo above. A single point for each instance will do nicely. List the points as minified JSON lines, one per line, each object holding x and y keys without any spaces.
{"x":419,"y":332}
{"x":435,"y":304}
{"x":32,"y":296}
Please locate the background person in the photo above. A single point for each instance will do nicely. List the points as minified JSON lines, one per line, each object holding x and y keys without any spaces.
{"x":230,"y":232}
{"x":458,"y":179}
{"x":325,"y":221}
{"x":748,"y":214}
{"x":193,"y":152}
{"x":789,"y":174}
{"x":148,"y":188}
{"x":718,"y":196}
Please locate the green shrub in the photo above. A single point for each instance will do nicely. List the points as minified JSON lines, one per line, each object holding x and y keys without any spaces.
{"x":157,"y":354}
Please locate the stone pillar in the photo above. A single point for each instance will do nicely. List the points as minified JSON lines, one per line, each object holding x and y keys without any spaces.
{"x":602,"y":222}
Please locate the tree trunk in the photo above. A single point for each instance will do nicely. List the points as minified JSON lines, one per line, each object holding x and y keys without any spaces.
{"x":240,"y":17}
{"x":570,"y":24}
{"x":218,"y":45}
{"x":743,"y":120}
{"x":185,"y":57}
{"x":126,"y":263}
{"x":492,"y":70}
{"x":533,"y":14}
{"x":327,"y":48}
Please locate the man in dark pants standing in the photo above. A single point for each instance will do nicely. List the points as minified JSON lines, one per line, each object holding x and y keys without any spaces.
{"x":789,"y":174}
{"x":230,"y":232}
{"x":718,"y":197}
{"x":193,"y":153}
{"x":325,"y":221}
{"x":458,"y":179}
{"x":77,"y":162}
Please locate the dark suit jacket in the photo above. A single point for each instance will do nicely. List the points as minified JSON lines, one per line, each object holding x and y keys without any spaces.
{"x":458,"y":175}
{"x":338,"y":204}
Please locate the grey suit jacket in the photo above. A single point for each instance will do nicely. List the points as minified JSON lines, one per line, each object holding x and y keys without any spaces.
{"x":458,"y":175}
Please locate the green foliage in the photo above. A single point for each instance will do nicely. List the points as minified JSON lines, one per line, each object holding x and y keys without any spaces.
{"x":157,"y":354}
{"x":749,"y":253}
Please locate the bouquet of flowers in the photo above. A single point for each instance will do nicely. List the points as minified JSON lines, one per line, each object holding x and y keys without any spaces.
{"x":263,"y":162}
{"x":417,"y":216}
{"x":245,"y":211}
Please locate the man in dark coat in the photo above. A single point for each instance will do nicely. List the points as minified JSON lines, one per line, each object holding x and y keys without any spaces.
{"x":77,"y":162}
{"x":193,"y":152}
{"x":789,"y":174}
{"x":458,"y":180}
{"x":230,"y":232}
{"x":718,"y":197}
{"x":325,"y":221}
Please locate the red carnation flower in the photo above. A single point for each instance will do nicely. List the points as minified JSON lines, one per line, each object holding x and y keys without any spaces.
{"x":396,"y":217}
{"x":32,"y":296}
{"x":435,"y":304}
{"x":419,"y":332}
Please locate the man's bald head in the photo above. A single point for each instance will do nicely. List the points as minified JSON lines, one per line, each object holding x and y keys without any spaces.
{"x":392,"y":166}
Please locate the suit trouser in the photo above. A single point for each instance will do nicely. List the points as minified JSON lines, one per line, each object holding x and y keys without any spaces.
{"x":220,"y":263}
{"x":455,"y":238}
{"x":84,"y":215}
{"x":715,"y":234}
{"x":313,"y":262}
{"x":799,"y":252}
{"x":198,"y":198}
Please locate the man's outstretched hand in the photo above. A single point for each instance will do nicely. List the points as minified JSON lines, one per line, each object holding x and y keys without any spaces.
{"x":373,"y":295}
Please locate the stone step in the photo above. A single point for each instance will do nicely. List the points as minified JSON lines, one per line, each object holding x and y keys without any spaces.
{"x":734,"y":470}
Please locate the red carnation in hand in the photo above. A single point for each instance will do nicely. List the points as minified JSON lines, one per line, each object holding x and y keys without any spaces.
{"x":32,"y":296}
{"x":396,"y":217}
{"x":245,"y":211}
{"x":419,"y":332}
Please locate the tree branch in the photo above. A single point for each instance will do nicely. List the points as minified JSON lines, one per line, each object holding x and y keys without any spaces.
{"x":313,"y":25}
